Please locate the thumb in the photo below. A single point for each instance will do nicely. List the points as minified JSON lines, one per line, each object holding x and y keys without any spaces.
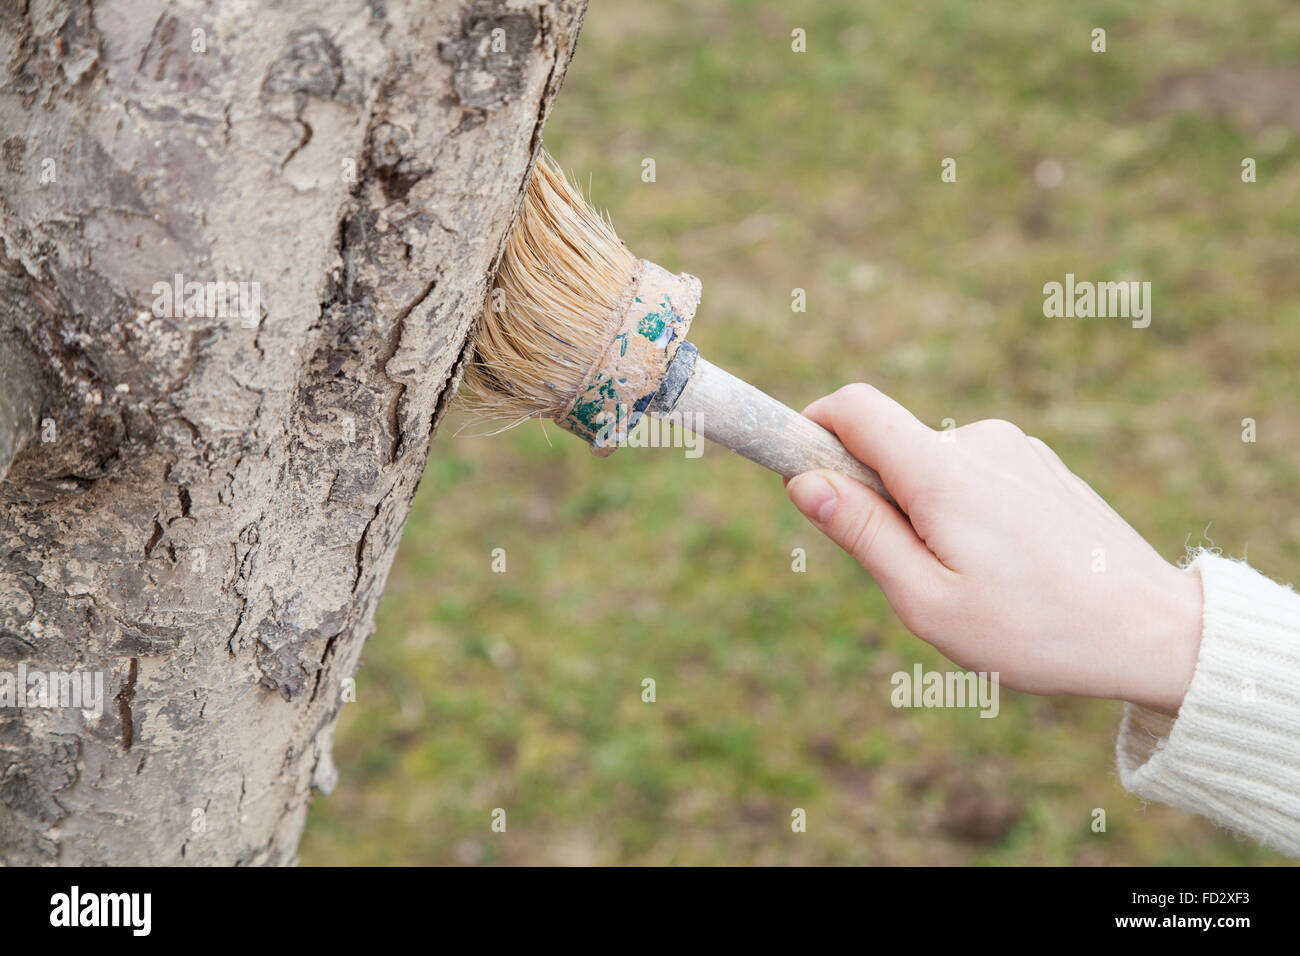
{"x":866,"y":526}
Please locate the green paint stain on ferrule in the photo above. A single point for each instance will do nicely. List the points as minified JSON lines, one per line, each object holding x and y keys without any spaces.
{"x":652,"y":327}
{"x":586,"y":415}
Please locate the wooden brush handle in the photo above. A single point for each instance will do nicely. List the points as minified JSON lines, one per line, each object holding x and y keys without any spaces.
{"x":752,"y":423}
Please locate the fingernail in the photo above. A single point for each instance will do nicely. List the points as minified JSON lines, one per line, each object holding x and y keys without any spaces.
{"x":814,"y":496}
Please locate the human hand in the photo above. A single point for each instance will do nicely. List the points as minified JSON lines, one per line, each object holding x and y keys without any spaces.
{"x":1010,"y":563}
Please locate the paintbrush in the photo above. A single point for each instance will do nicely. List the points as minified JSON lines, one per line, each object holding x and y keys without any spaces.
{"x":578,"y":330}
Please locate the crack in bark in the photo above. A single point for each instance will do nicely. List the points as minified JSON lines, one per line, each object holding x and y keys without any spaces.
{"x":394,"y":344}
{"x":447,"y":393}
{"x":324,"y":658}
{"x":361,"y":543}
{"x":124,"y":698}
{"x":306,"y":138}
{"x":153,"y":539}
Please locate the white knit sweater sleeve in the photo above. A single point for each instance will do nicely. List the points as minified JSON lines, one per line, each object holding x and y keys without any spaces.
{"x":1233,"y":752}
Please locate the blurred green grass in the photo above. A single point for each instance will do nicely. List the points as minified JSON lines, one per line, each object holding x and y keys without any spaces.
{"x":820,"y":171}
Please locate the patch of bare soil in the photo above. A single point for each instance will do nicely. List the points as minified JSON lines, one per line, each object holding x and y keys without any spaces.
{"x":1251,"y":97}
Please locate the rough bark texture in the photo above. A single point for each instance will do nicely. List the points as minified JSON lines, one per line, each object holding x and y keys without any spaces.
{"x":210,"y":510}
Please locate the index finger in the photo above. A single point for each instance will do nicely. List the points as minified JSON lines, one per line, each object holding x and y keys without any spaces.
{"x":880,"y":433}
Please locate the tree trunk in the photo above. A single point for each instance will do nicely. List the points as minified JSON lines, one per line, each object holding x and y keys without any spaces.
{"x":208,"y":489}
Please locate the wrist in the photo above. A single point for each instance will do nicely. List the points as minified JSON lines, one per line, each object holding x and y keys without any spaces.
{"x":1170,"y":630}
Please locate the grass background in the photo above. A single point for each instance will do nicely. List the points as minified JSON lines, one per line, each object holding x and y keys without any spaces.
{"x":775,"y":171}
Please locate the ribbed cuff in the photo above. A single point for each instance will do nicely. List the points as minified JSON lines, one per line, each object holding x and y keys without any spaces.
{"x":1233,"y":753}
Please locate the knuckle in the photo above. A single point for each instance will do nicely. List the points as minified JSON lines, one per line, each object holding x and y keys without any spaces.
{"x":995,"y":430}
{"x":857,"y":392}
{"x":1000,"y":426}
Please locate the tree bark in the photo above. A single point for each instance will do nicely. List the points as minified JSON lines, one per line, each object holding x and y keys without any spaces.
{"x":205,"y":506}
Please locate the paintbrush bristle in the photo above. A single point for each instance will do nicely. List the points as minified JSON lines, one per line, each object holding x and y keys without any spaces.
{"x":554,"y":307}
